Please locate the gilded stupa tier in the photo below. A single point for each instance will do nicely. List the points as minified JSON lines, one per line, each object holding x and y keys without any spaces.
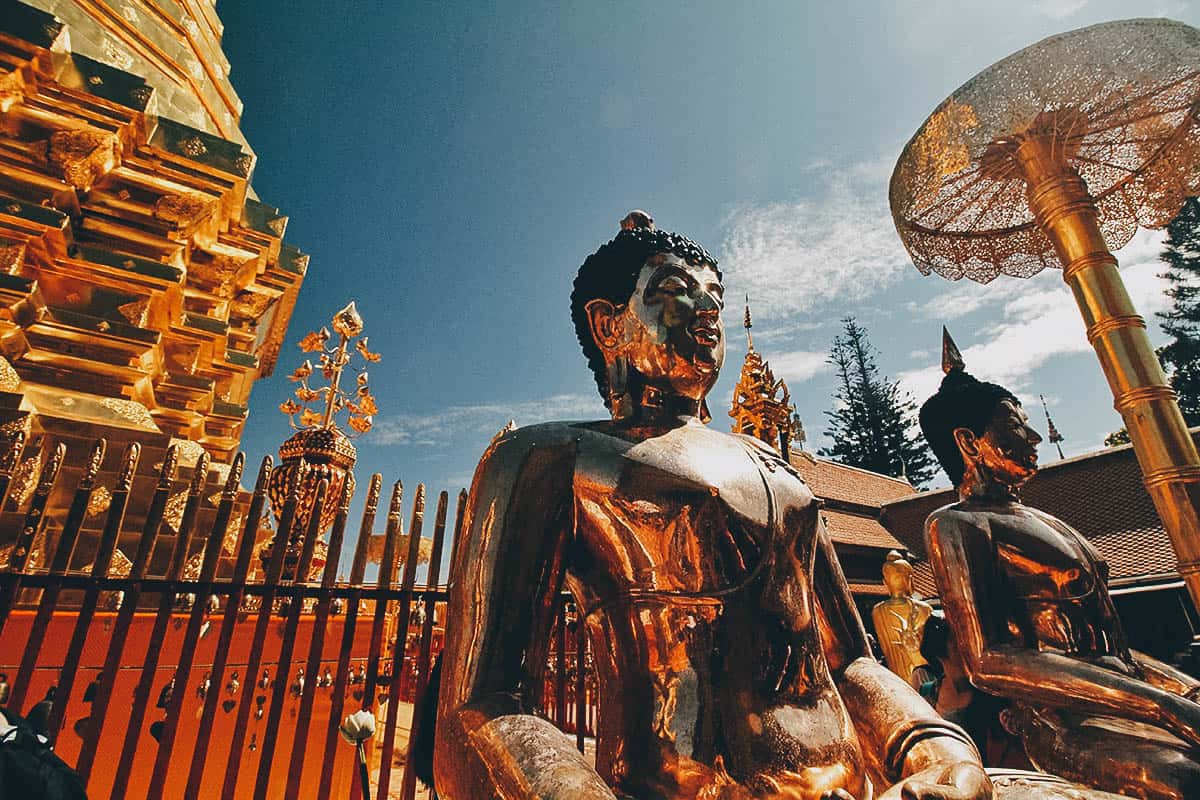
{"x":142,"y":285}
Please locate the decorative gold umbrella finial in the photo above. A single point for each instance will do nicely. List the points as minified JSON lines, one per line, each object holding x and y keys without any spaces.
{"x":361,"y":405}
{"x":348,"y":322}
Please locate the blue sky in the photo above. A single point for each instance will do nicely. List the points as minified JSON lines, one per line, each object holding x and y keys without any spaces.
{"x":449,"y":166}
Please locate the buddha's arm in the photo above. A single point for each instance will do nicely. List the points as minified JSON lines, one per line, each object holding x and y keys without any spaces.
{"x":508,"y":572}
{"x":902,"y":735}
{"x":960,"y":555}
{"x":1166,"y":677}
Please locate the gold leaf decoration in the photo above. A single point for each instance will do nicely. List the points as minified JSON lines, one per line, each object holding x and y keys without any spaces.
{"x":99,"y":502}
{"x":303,"y":371}
{"x":9,"y":379}
{"x":361,"y":347}
{"x":135,"y":312}
{"x":130,"y":411}
{"x":173,"y":515}
{"x":314,"y":341}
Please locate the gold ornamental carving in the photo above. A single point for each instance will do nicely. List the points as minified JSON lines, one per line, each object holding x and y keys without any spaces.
{"x":131,"y":411}
{"x":12,"y":89}
{"x":12,"y":255}
{"x":319,"y":447}
{"x":10,"y":380}
{"x":135,"y":312}
{"x":183,"y":209}
{"x":83,"y":156}
{"x":762,"y":404}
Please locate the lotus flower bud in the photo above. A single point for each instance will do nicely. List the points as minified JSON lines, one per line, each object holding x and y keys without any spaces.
{"x":358,"y":727}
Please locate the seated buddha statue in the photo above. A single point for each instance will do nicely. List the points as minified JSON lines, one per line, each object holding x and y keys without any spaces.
{"x":731,"y":660}
{"x":1026,"y":601}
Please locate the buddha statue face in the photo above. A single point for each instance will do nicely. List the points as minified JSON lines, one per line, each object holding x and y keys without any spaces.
{"x":670,"y":330}
{"x":1006,"y":452}
{"x":898,"y":575}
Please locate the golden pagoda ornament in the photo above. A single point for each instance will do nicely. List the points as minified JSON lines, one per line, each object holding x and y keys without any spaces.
{"x":762,"y":406}
{"x":319,"y":446}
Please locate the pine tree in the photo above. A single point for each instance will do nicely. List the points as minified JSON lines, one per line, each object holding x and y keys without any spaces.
{"x":1181,"y":356}
{"x":873,"y":423}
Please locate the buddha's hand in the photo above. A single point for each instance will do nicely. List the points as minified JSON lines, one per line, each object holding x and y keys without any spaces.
{"x":837,"y":794}
{"x":958,"y":781}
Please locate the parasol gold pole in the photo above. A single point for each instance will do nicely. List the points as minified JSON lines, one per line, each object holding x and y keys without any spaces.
{"x":1170,"y":465}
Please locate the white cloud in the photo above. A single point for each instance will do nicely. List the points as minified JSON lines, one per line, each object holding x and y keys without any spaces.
{"x":797,"y":366}
{"x":837,"y":247}
{"x":443,"y":428}
{"x":1043,"y":322}
{"x":1059,"y":9}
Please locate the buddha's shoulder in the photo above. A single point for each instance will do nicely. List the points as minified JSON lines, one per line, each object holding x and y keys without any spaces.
{"x":955,"y":519}
{"x":522,"y":442}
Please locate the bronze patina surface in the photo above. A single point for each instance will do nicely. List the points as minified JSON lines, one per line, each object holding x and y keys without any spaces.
{"x":1025,"y":597}
{"x":731,"y":660}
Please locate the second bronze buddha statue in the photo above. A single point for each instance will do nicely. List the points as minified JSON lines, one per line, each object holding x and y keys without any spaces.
{"x":1025,"y":598}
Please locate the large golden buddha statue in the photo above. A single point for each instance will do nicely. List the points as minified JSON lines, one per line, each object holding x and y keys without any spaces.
{"x":731,"y":660}
{"x":1025,"y":598}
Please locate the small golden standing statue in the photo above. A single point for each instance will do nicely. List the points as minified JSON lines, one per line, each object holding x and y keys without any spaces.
{"x":1025,"y":598}
{"x":900,"y":624}
{"x":319,"y":446}
{"x":731,"y":660}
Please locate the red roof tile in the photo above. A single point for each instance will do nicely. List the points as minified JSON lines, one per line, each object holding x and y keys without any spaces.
{"x":845,"y":528}
{"x":831,"y":480}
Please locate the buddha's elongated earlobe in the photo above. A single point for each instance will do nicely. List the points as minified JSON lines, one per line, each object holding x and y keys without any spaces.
{"x":968,"y":444}
{"x":620,"y":400}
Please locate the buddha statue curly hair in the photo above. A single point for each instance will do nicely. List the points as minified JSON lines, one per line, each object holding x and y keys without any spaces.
{"x":612,"y":271}
{"x":962,"y":401}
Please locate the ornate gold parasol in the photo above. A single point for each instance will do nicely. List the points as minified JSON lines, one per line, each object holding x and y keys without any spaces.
{"x":1052,"y":157}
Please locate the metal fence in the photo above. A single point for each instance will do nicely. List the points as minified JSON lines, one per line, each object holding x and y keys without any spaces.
{"x":210,"y":680}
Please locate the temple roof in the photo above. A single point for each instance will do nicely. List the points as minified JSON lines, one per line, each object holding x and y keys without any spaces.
{"x":832,"y":480}
{"x":852,"y":497}
{"x":1100,"y":494}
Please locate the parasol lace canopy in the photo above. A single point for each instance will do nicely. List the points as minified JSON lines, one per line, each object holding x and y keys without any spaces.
{"x":1118,"y":101}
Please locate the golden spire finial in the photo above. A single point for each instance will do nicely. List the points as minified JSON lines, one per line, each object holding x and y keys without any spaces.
{"x":348,"y":324}
{"x":747,"y":324}
{"x":952,"y":360}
